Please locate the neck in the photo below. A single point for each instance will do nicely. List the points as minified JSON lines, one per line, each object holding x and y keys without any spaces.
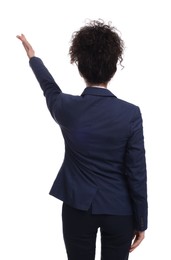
{"x":102,"y":85}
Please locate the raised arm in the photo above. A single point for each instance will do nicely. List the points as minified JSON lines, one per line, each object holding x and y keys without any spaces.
{"x":50,"y":89}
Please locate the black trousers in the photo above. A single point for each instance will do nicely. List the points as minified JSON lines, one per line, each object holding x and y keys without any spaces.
{"x":80,"y":229}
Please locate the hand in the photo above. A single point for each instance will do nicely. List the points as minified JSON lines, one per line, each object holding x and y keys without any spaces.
{"x":137,"y":239}
{"x":29,"y":50}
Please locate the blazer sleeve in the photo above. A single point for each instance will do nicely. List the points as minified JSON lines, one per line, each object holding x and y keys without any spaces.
{"x":51,"y":90}
{"x":136,"y":172}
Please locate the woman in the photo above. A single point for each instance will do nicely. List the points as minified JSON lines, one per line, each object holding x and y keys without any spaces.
{"x":102,"y":181}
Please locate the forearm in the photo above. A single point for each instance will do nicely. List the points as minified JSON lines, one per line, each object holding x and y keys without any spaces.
{"x":137,"y":183}
{"x":43,"y":76}
{"x":138,"y":192}
{"x":50,"y":89}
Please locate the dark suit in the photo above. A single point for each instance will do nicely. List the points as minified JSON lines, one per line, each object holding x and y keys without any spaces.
{"x":104,"y":165}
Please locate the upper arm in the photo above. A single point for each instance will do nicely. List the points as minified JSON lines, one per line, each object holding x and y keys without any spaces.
{"x":51,"y":90}
{"x":135,"y":151}
{"x":135,"y":161}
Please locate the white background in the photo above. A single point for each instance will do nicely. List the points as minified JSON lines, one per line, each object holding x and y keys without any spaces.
{"x":31,"y":146}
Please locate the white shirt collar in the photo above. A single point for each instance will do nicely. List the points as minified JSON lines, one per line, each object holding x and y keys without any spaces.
{"x":97,"y":87}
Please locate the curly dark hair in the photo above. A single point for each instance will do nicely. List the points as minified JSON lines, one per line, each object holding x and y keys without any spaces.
{"x":96,"y":49}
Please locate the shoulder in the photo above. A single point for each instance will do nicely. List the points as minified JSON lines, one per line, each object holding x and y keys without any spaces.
{"x":131,"y":111}
{"x":127,"y":105}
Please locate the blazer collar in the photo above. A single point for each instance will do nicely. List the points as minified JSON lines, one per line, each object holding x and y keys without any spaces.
{"x":94,"y":91}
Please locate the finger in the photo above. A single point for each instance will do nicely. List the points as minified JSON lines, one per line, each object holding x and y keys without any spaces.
{"x":25,"y":46}
{"x":25,"y":43}
{"x":21,"y":37}
{"x":136,"y":243}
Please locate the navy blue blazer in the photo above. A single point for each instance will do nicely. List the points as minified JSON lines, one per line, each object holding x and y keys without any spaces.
{"x":104,"y":165}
